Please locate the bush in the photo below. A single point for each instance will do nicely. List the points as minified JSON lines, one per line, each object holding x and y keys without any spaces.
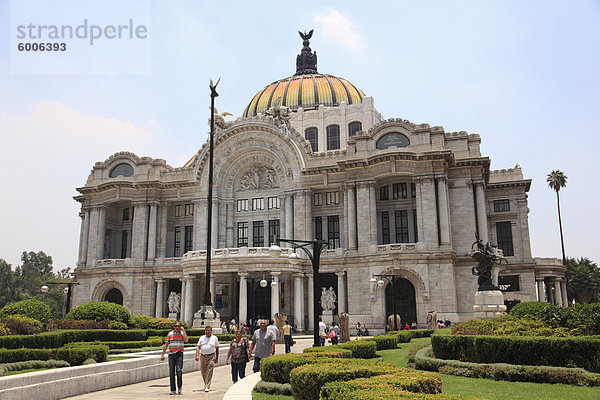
{"x":29,"y":308}
{"x":277,"y":368}
{"x":330,"y":351}
{"x":33,"y":364}
{"x":21,"y":325}
{"x":119,"y":345}
{"x":510,"y":325}
{"x":117,"y":325}
{"x":4,"y":330}
{"x":57,"y":339}
{"x":307,"y":380}
{"x":282,"y":389}
{"x":76,"y":324}
{"x":385,"y":342}
{"x":73,"y":355}
{"x":148,"y":322}
{"x":361,"y":348}
{"x":405,"y":383}
{"x":99,"y":311}
{"x":584,"y":319}
{"x":560,"y":352}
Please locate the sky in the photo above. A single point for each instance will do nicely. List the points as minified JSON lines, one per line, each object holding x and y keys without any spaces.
{"x":523,"y":75}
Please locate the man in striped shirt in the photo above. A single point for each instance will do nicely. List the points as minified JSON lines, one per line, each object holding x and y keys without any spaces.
{"x":174,"y":341}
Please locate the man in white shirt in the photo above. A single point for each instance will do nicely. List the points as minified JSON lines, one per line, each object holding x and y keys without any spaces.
{"x":208,"y":348}
{"x":322,"y":334}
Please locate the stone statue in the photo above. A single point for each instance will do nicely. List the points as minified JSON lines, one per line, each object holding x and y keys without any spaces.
{"x":432,"y":320}
{"x":390,"y":323}
{"x":344,"y":327}
{"x":220,"y":122}
{"x":279,"y":322}
{"x":174,"y":302}
{"x":486,"y":257}
{"x":281,"y":116}
{"x":258,"y":177}
{"x":328,"y":298}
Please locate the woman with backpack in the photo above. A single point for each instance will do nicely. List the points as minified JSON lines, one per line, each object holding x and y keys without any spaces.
{"x":238,"y":352}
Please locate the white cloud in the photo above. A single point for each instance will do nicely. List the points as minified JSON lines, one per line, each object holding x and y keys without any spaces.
{"x":46,"y":153}
{"x":339,"y":29}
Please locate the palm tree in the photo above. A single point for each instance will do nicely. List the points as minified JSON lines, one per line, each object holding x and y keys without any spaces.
{"x":557,"y":180}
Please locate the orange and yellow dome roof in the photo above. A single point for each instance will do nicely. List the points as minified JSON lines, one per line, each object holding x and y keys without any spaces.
{"x":306,"y":91}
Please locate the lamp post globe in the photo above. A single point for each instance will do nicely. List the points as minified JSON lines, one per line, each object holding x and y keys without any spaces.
{"x":294,"y":258}
{"x":44,"y":289}
{"x":263,"y":283}
{"x":274,"y":251}
{"x":273,"y":284}
{"x":373,"y":281}
{"x":380,"y":283}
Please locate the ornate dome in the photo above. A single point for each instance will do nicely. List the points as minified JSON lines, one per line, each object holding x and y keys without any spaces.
{"x":306,"y":91}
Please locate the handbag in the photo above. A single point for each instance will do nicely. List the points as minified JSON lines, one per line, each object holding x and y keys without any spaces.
{"x":332,"y":334}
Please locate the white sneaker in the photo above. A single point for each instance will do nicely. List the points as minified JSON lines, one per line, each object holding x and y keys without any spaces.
{"x":206,"y":389}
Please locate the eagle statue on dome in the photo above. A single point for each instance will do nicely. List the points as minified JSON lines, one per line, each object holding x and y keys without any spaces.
{"x":306,"y":61}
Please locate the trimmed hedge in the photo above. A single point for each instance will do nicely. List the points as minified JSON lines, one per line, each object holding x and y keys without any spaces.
{"x":407,"y":336}
{"x":282,"y":389}
{"x":364,"y":348}
{"x":99,"y":311}
{"x":405,"y":384}
{"x":510,"y":325}
{"x":4,"y":330}
{"x":120,"y":345}
{"x":385,"y":342}
{"x":31,"y":308}
{"x":76,"y":324}
{"x":22,"y":325}
{"x":33,"y":364}
{"x":559,"y":352}
{"x":55,"y":339}
{"x":277,"y":368}
{"x":307,"y":380}
{"x":331,"y":351}
{"x":74,"y":355}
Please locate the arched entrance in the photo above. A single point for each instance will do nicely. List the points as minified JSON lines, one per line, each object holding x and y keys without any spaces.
{"x":114,"y":295}
{"x":401,"y":295}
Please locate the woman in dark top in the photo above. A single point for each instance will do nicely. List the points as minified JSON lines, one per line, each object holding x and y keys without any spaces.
{"x":238,"y":352}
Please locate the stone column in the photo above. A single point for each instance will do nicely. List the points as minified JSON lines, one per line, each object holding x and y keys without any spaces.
{"x":160,"y":301}
{"x":442,"y":185}
{"x":138,"y":235}
{"x":92,"y":238}
{"x":101,"y":232}
{"x":183,"y":296}
{"x":152,"y":228}
{"x":540,"y":290}
{"x":426,"y":211}
{"x":213,"y":290}
{"x":200,"y":215}
{"x":418,"y":201}
{"x":351,"y":192}
{"x":275,"y":293}
{"x":243,"y":298}
{"x":162,"y":241}
{"x":373,"y":213}
{"x":289,"y":217}
{"x":481,"y":212}
{"x":341,"y":292}
{"x":282,"y":222}
{"x":189,"y":300}
{"x":214,"y":233}
{"x":563,"y":289}
{"x":550,"y":288}
{"x":298,"y":300}
{"x":230,"y":228}
{"x":558,"y":292}
{"x":311,"y":302}
{"x":83,"y":236}
{"x":364,"y":200}
{"x":302,"y":215}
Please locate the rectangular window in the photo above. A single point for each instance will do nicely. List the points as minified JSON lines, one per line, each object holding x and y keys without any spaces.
{"x":189,"y":238}
{"x":399,"y":191}
{"x":384,"y":193}
{"x":178,"y":210}
{"x":332,"y":198}
{"x":258,"y":204}
{"x":385,"y":227}
{"x":501,"y":205}
{"x":401,"y":226}
{"x":415,"y":225}
{"x":242,"y":234}
{"x":318,"y":228}
{"x":258,"y":234}
{"x":177,"y":241}
{"x":273,"y":230}
{"x":189,"y":209}
{"x":126,"y":214}
{"x":242,"y":205}
{"x":124,"y":239}
{"x":509,"y":283}
{"x":333,"y":137}
{"x":273,"y":202}
{"x":318,"y":199}
{"x":311,"y":134}
{"x":413,"y":190}
{"x":333,"y":231}
{"x":504,"y":237}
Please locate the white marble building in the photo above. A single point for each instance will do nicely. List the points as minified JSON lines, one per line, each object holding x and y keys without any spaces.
{"x":392,"y":197}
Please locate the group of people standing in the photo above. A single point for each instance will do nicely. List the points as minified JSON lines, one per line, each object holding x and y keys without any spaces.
{"x":207,"y":352}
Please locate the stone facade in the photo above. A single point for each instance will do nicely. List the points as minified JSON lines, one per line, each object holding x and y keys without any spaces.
{"x":395,"y":198}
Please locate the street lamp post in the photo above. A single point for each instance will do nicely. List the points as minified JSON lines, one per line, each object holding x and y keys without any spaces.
{"x":67,"y":290}
{"x":317,"y":247}
{"x":378,"y":279}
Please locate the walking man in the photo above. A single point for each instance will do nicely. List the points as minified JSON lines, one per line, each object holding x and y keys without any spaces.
{"x":208,"y":348}
{"x":175,"y":340}
{"x":264,"y":342}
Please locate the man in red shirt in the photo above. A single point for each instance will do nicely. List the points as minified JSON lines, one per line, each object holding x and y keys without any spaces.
{"x":175,"y":341}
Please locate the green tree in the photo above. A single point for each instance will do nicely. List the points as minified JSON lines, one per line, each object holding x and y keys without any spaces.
{"x":583,"y":280}
{"x":7,"y":284}
{"x":558,"y":180}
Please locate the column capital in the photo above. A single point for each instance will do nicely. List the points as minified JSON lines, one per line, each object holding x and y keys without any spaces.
{"x":138,"y":203}
{"x":363,"y":184}
{"x":479,"y":183}
{"x":309,"y":275}
{"x":298,"y":275}
{"x":424,"y":179}
{"x":161,"y":280}
{"x":243,"y":274}
{"x":340,"y":273}
{"x":99,"y":206}
{"x":154,"y":202}
{"x":349,"y":185}
{"x":441,"y":178}
{"x":275,"y":273}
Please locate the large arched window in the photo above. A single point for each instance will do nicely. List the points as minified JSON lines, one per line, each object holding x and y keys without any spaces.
{"x":114,"y":295}
{"x":122,"y":169}
{"x":354,"y":127}
{"x":311,"y":134}
{"x":333,"y":137}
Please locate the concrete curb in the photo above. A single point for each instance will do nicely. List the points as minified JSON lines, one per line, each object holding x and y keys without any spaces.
{"x":242,"y":390}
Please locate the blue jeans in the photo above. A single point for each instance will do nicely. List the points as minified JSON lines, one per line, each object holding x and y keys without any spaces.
{"x":238,"y":368}
{"x":256,"y":366}
{"x":176,"y":367}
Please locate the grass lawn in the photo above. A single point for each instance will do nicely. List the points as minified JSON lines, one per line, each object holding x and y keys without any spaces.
{"x":264,"y":396}
{"x":117,"y":358}
{"x":502,"y":390}
{"x":24,"y":371}
{"x":399,"y":356}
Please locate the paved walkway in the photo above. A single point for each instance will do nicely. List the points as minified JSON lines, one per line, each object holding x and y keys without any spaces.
{"x":193,"y":386}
